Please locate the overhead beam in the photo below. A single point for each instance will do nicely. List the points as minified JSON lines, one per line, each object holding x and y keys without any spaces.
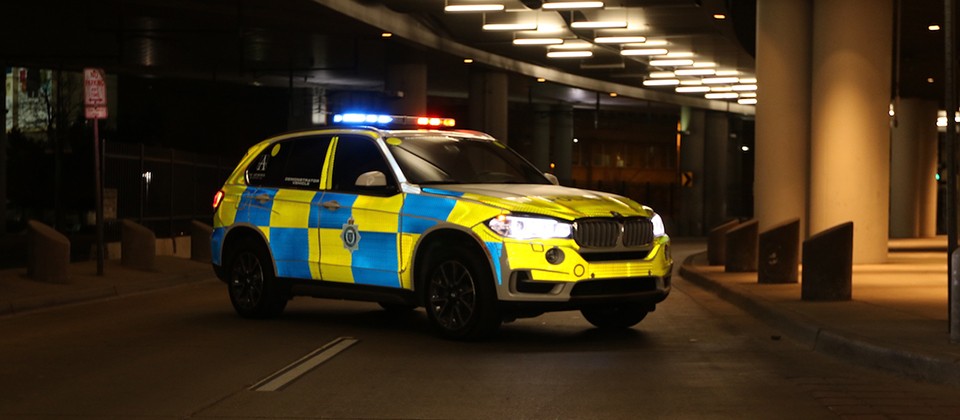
{"x":406,"y":27}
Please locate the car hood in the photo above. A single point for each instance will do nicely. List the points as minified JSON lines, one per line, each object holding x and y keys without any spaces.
{"x":550,"y":200}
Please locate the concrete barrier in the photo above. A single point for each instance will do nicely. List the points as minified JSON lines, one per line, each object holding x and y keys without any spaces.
{"x":779,"y":254}
{"x":828,"y":265}
{"x":138,"y":246}
{"x":48,"y":253}
{"x":741,"y":248}
{"x":200,"y":234}
{"x":716,"y":242}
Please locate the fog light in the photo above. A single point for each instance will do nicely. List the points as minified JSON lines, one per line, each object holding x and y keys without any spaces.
{"x":554,"y":256}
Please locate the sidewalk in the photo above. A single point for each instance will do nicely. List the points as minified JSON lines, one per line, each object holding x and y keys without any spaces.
{"x":897,"y":320}
{"x":18,"y":293}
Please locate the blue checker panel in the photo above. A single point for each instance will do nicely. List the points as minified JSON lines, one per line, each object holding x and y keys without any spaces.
{"x":375,"y":261}
{"x":496,"y":252}
{"x":252,"y":210}
{"x":291,"y":250}
{"x":335,"y":219}
{"x":216,"y":244}
{"x":420,"y":212}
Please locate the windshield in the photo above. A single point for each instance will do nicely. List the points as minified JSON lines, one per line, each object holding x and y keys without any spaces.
{"x":449,"y":159}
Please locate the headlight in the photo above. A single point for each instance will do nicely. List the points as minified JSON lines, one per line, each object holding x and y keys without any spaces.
{"x":658,"y":229}
{"x":517,"y":227}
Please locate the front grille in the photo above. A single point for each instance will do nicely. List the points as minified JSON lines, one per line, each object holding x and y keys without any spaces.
{"x":608,"y":232}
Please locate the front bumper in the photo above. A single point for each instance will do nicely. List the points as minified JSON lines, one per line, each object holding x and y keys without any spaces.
{"x":529,"y":277}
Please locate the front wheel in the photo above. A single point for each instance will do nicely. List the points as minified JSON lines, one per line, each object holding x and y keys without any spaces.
{"x":461,"y":301}
{"x":617,"y":316}
{"x":254,"y":291}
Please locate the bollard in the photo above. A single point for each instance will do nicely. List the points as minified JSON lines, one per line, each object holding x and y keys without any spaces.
{"x":200,"y":234}
{"x":741,"y":248}
{"x":48,"y":253}
{"x":138,"y":246}
{"x":828,"y":265}
{"x":716,"y":242}
{"x":779,"y":254}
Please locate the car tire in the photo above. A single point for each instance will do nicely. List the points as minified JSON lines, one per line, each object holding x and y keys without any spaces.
{"x":617,"y":316}
{"x":460,"y":297}
{"x":254,"y":290}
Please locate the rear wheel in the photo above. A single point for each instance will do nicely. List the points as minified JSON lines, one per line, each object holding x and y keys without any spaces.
{"x":617,"y":316}
{"x":461,"y":301}
{"x":254,"y":290}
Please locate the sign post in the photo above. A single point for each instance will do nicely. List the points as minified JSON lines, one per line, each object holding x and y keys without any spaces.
{"x":95,"y":108}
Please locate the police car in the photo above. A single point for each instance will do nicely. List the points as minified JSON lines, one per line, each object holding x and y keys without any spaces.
{"x":449,"y":220}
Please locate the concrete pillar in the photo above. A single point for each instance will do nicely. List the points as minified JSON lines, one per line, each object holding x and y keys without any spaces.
{"x":783,"y":112}
{"x":540,"y":138}
{"x":406,"y":83}
{"x":716,"y":168}
{"x":913,"y":167}
{"x":562,"y":144}
{"x":691,"y":221}
{"x":488,"y":103}
{"x":850,"y":124}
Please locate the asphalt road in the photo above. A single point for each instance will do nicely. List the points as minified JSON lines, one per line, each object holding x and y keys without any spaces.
{"x":182,"y":353}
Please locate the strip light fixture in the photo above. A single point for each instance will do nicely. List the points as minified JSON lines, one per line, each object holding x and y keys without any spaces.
{"x":537,"y":41}
{"x":599,"y":24}
{"x":569,"y":54}
{"x":569,"y":5}
{"x":619,"y":39}
{"x":488,"y":7}
{"x":643,"y":51}
{"x":661,"y":82}
{"x":510,"y":26}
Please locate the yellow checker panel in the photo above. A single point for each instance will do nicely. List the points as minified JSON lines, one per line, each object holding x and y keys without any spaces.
{"x":291,"y":208}
{"x":339,"y":258}
{"x":377,"y":214}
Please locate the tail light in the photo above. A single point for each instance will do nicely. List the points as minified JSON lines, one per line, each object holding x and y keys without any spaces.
{"x":217,"y":199}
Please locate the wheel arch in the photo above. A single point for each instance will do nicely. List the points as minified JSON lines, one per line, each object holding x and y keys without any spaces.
{"x":240,"y":233}
{"x":439,"y":237}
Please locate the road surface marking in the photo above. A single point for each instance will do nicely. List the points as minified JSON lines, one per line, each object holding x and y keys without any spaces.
{"x":307,"y":363}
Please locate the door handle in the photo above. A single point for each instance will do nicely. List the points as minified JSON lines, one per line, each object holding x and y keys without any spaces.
{"x":262,"y":198}
{"x":331,"y":205}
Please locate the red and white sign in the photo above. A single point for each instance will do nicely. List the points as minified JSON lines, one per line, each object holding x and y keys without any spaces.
{"x":94,"y":94}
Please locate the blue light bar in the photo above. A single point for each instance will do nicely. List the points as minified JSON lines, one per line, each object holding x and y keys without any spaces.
{"x":354,"y":118}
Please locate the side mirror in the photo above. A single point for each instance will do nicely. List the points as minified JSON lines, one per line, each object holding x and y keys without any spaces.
{"x":552,"y":178}
{"x":371,"y":179}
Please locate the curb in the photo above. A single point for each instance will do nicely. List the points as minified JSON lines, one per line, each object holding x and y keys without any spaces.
{"x":847,"y":346}
{"x":19,"y":306}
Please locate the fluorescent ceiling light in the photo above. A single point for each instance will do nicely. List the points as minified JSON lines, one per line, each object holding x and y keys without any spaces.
{"x":691,"y":82}
{"x":569,"y":54}
{"x":473,"y":8}
{"x":510,"y":26}
{"x":704,"y":64}
{"x":671,"y":62}
{"x":661,"y":74}
{"x":724,"y":95}
{"x":747,"y":101}
{"x":643,"y":51}
{"x":748,"y":94}
{"x":721,"y":89}
{"x":719,"y":80}
{"x":661,"y":82}
{"x":692,"y":89}
{"x":727,"y":73}
{"x":679,"y":54}
{"x":599,"y":24}
{"x":537,"y":41}
{"x":749,"y":81}
{"x":562,"y":5}
{"x":694,"y":72}
{"x":933,"y":27}
{"x":572,"y":45}
{"x":719,"y":16}
{"x":618,"y":39}
{"x":740,"y":88}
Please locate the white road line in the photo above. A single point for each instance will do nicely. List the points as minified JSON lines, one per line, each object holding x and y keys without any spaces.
{"x":306,"y":363}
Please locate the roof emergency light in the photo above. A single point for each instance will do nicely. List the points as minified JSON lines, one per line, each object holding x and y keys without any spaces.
{"x":392,"y":120}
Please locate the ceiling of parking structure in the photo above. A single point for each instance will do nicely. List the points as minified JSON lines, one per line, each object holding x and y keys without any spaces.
{"x":337,"y":44}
